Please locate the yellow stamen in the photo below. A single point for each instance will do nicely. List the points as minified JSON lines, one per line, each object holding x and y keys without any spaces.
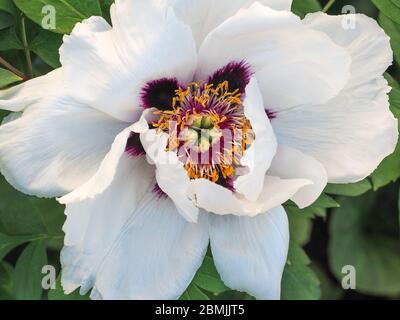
{"x":200,"y":125}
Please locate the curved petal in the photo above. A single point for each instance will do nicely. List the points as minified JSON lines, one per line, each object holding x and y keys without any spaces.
{"x":107,"y":68}
{"x":219,"y":200}
{"x":291,"y":62}
{"x":250,"y":253}
{"x":55,"y":146}
{"x":290,"y":163}
{"x":204,"y":16}
{"x":105,"y":174}
{"x":259,"y":156}
{"x":143,"y":30}
{"x":165,"y":255}
{"x":352,"y":133}
{"x":93,"y":225}
{"x":20,"y":97}
{"x":189,"y":195}
{"x":366,"y":42}
{"x":171,"y":176}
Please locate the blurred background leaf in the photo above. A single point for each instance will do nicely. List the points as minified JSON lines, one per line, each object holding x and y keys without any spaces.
{"x":7,"y":78}
{"x":27,"y":277}
{"x":365,"y":234}
{"x":299,"y":281}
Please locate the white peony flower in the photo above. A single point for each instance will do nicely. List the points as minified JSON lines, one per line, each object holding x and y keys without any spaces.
{"x":116,"y":131}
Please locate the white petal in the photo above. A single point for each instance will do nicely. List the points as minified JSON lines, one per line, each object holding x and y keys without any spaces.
{"x":129,"y":243}
{"x":171,"y":176}
{"x":250,"y":253}
{"x":259,"y":156}
{"x":108,"y":67}
{"x":291,"y":62}
{"x":93,"y":225}
{"x":105,"y":173}
{"x":366,"y":42}
{"x":56,"y":146}
{"x":205,"y":15}
{"x":219,"y":200}
{"x":28,"y":93}
{"x":351,"y":134}
{"x":155,"y":256}
{"x":153,"y":40}
{"x":290,"y":163}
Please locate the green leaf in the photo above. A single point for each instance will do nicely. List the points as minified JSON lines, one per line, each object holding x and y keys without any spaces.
{"x":318,"y":208}
{"x":105,"y":8}
{"x":7,"y":243}
{"x":9,"y":40}
{"x":388,"y":171}
{"x":58,"y":293}
{"x":364,"y":233}
{"x":193,"y":292}
{"x":393,"y":30}
{"x":299,"y":281}
{"x":68,"y":12}
{"x":6,"y":20}
{"x":8,"y":6}
{"x":326,"y":202}
{"x":21,"y":214}
{"x":392,"y":81}
{"x":207,"y":278}
{"x":46,"y":45}
{"x":7,"y":78}
{"x":28,"y":272}
{"x":349,"y":190}
{"x":300,"y":226}
{"x":303,"y":7}
{"x":389,"y":9}
{"x":330,"y":290}
{"x":6,"y":281}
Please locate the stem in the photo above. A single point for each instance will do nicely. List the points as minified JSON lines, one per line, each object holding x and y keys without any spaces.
{"x":328,"y":5}
{"x":26,"y":48}
{"x":12,"y":69}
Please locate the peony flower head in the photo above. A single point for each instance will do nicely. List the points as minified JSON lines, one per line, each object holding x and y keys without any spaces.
{"x":188,"y":123}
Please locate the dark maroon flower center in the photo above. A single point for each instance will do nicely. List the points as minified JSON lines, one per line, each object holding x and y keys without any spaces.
{"x":159,"y":93}
{"x":198,"y":117}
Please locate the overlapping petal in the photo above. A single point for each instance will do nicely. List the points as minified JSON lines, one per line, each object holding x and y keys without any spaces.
{"x":93,"y":224}
{"x":156,"y":255}
{"x":55,"y":146}
{"x":353,"y":132}
{"x":115,"y":63}
{"x":258,"y":157}
{"x":170,"y":174}
{"x":105,"y":174}
{"x":219,"y":200}
{"x":20,"y":97}
{"x":290,"y":163}
{"x":293,"y":64}
{"x":129,"y":242}
{"x":250,"y":253}
{"x":204,"y":16}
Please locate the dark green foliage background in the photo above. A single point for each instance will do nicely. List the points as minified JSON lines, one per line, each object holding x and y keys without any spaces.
{"x":349,"y":225}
